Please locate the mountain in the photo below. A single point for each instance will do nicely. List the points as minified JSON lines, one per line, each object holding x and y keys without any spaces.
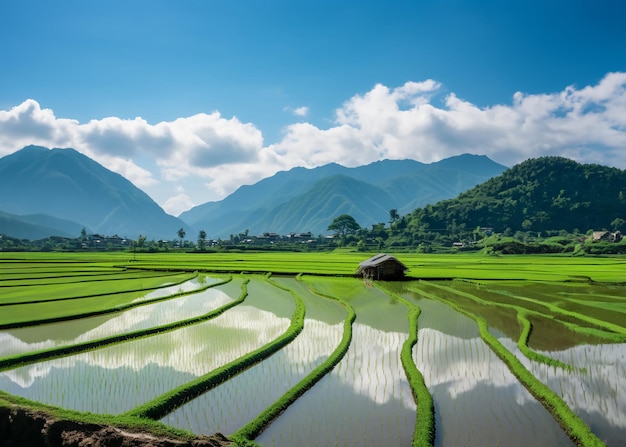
{"x":301,"y":199}
{"x":37,"y":226}
{"x":547,"y":193}
{"x":65,"y":184}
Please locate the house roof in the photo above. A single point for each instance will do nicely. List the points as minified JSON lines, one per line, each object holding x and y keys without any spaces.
{"x":379,"y":259}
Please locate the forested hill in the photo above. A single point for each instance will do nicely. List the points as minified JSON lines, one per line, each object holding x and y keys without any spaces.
{"x":548,"y":193}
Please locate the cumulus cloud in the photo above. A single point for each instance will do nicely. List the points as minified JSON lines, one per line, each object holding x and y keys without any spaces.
{"x":415,"y":120}
{"x":177,"y":204}
{"x":588,"y":124}
{"x":28,"y":123}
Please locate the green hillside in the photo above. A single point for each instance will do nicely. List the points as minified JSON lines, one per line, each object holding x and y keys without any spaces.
{"x":543,"y":194}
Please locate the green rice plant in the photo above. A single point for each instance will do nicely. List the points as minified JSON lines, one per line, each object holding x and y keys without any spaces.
{"x":524,"y":322}
{"x":254,"y":428}
{"x":424,"y":434}
{"x":31,"y":281}
{"x":48,"y":354}
{"x":167,"y":402}
{"x":96,"y":308}
{"x":34,"y":338}
{"x":572,"y":424}
{"x":17,"y":295}
{"x":557,"y":310}
{"x":522,"y":344}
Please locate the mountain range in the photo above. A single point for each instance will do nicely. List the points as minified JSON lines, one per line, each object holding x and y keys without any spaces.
{"x":45,"y":192}
{"x":307,"y":200}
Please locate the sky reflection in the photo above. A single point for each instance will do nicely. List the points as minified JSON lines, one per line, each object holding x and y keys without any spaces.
{"x":18,"y":341}
{"x":597,"y":393}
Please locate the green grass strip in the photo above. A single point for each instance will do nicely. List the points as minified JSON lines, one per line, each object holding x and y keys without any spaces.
{"x":168,"y":402}
{"x":577,"y":430}
{"x":62,"y":351}
{"x":75,"y":279}
{"x":95,"y":295}
{"x":522,"y":344}
{"x":116,"y":309}
{"x":424,"y":433}
{"x":600,"y":332}
{"x":560,"y":311}
{"x":522,"y":341}
{"x":254,"y":428}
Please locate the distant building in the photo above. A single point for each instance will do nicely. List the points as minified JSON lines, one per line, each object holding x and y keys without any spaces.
{"x":382,"y":266}
{"x":606,"y":236}
{"x":101,"y":241}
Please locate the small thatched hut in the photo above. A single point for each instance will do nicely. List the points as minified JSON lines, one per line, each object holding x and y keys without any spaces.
{"x":382,"y":266}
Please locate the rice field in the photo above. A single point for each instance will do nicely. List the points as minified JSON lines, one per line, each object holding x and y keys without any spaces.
{"x":232,"y":404}
{"x":513,"y":351}
{"x":46,"y":336}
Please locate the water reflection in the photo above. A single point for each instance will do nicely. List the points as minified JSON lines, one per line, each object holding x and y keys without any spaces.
{"x":35,"y":338}
{"x":477,"y":399}
{"x":231,"y":405}
{"x":236,"y":402}
{"x":597,"y":393}
{"x":186,"y":286}
{"x":365,"y":400}
{"x":134,"y":372}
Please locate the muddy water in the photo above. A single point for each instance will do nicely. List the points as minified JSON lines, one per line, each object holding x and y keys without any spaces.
{"x":477,"y":400}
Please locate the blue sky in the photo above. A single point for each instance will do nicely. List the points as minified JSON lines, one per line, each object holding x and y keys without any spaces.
{"x":191,"y":99}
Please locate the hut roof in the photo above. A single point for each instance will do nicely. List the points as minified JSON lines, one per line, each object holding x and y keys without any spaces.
{"x":379,"y":259}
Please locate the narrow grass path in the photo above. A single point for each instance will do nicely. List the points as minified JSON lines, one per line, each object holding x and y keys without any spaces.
{"x":560,"y":311}
{"x":168,"y":402}
{"x":96,"y":295}
{"x":117,"y":309}
{"x":526,"y":325}
{"x":62,"y":351}
{"x":246,"y":434}
{"x":38,"y":281}
{"x":577,"y":430}
{"x":424,"y":434}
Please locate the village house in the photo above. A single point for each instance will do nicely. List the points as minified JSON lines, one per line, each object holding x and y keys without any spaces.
{"x":606,"y":236}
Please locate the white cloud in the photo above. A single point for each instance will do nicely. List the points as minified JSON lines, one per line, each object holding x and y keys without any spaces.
{"x":177,"y":204}
{"x":409,"y":121}
{"x":137,"y":175}
{"x":301,"y":111}
{"x":298,"y":111}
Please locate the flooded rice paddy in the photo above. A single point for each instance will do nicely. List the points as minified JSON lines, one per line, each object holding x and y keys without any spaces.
{"x":365,"y":400}
{"x":29,"y":339}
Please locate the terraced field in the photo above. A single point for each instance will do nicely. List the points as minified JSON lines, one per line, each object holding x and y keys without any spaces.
{"x":279,"y":349}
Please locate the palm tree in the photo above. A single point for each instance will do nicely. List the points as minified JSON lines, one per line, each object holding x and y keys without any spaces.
{"x":181,"y":235}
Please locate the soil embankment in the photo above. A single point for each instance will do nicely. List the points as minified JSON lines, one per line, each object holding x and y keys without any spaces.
{"x":24,"y":427}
